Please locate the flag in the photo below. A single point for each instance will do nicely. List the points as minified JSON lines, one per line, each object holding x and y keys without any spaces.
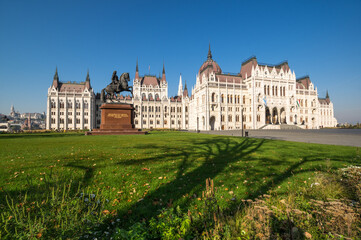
{"x":265,"y":101}
{"x":298,"y":102}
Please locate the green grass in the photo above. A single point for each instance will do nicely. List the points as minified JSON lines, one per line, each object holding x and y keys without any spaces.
{"x":133,"y":177}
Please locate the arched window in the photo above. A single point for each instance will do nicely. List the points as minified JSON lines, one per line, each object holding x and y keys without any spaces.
{"x":244,"y":99}
{"x":156,"y":97}
{"x":267,"y":90}
{"x":150,"y":96}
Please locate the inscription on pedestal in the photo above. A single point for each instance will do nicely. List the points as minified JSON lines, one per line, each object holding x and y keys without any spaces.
{"x":115,"y":115}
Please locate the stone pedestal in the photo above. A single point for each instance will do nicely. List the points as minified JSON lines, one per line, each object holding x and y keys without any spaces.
{"x":117,"y":119}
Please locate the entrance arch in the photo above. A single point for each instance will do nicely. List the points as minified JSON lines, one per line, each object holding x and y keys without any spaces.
{"x":268,"y":116}
{"x":274,"y":116}
{"x":212,"y":121}
{"x":283,"y":119}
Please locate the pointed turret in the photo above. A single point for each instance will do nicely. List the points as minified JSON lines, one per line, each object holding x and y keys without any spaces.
{"x":137,"y":71}
{"x":163,"y":75}
{"x":87,"y":81}
{"x":185,"y":92}
{"x":56,"y":78}
{"x":327,"y":98}
{"x":209,"y":57}
{"x":180,"y":86}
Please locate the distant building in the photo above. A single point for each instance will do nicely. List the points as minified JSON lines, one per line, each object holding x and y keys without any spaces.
{"x":260,"y":96}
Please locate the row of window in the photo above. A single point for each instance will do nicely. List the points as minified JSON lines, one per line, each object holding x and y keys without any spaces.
{"x":275,"y":91}
{"x":70,"y":121}
{"x":151,"y":122}
{"x":237,"y":118}
{"x":69,"y":105}
{"x":158,"y":109}
{"x":230,"y":98}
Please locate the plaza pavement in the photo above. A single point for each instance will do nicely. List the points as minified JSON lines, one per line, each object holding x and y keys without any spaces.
{"x":346,"y":137}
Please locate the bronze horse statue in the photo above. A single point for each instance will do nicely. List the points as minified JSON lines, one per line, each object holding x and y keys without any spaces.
{"x":116,"y":86}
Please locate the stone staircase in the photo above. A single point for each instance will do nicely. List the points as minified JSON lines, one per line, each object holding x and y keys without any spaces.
{"x":280,"y":126}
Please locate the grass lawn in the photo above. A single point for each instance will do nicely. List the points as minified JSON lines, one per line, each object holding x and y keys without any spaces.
{"x":133,"y":177}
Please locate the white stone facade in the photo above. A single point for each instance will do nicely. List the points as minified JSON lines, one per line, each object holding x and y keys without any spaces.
{"x":260,"y":96}
{"x":70,"y":106}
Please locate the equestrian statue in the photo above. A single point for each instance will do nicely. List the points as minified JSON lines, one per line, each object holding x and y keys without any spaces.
{"x":116,"y":86}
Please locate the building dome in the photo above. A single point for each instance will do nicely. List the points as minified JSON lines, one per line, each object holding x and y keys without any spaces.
{"x":210,"y":65}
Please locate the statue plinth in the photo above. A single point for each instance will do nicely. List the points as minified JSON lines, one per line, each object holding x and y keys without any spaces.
{"x":117,"y":119}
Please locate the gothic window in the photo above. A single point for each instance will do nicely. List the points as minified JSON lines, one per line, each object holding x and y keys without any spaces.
{"x":61,"y":105}
{"x":229,"y":118}
{"x":156,"y":97}
{"x":77,"y":104}
{"x":284,"y":91}
{"x":186,"y":109}
{"x":85,"y":120}
{"x":86,"y":105}
{"x":222,"y":98}
{"x":267,"y":90}
{"x":213,"y":97}
{"x":144,"y":97}
{"x":53,"y":120}
{"x":273,"y":90}
{"x":70,"y":120}
{"x":53,"y":105}
{"x":150,"y":96}
{"x":78,"y":120}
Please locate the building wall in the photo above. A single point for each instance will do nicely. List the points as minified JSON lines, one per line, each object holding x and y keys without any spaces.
{"x":265,"y":97}
{"x":70,"y":110}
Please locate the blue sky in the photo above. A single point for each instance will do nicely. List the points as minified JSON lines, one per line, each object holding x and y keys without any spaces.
{"x":319,"y":38}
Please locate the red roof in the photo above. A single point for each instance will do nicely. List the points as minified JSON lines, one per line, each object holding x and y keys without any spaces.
{"x":72,"y":87}
{"x":150,"y":80}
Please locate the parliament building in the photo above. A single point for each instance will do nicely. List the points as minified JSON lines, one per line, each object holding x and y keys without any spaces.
{"x":259,"y":96}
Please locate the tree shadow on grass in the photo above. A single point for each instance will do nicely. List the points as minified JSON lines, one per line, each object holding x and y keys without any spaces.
{"x":217,"y":154}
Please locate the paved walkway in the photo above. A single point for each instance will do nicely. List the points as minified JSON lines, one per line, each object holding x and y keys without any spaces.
{"x":346,"y":137}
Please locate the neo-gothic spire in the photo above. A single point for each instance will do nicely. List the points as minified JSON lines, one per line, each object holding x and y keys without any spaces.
{"x":185,"y":92}
{"x":87,"y":81}
{"x":163,"y":74}
{"x":209,"y":57}
{"x":136,"y":68}
{"x":87,"y":77}
{"x":56,"y":77}
{"x":327,"y":96}
{"x":180,"y":86}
